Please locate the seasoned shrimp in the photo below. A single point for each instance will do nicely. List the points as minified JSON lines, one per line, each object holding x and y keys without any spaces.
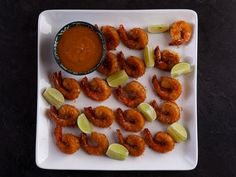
{"x":67,"y":143}
{"x":180,"y":32}
{"x":132,"y":94}
{"x":162,"y":142}
{"x":167,"y":88}
{"x":133,"y":66}
{"x":68,"y":87}
{"x":101,"y":116}
{"x":130,"y":120}
{"x":111,"y":36}
{"x":134,"y":143}
{"x":168,"y":112}
{"x":166,"y":59}
{"x":97,"y":89}
{"x":136,"y":38}
{"x":96,"y":144}
{"x":110,"y":65}
{"x":66,"y":115}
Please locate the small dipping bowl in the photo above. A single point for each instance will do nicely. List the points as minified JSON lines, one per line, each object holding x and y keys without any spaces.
{"x":71,"y":45}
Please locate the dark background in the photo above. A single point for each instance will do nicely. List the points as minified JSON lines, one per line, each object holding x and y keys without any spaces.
{"x":216,"y":84}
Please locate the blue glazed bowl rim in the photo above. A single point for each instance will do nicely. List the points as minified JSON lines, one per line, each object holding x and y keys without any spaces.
{"x":61,"y":32}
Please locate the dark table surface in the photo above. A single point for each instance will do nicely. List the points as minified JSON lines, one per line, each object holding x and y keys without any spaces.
{"x":216,"y":84}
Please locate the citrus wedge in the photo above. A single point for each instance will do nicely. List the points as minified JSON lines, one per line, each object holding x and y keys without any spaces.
{"x":53,"y":97}
{"x":178,"y":132}
{"x":117,"y":151}
{"x":83,"y":124}
{"x":118,"y":78}
{"x":148,"y":111}
{"x":180,"y":68}
{"x":148,"y":56}
{"x":161,"y":28}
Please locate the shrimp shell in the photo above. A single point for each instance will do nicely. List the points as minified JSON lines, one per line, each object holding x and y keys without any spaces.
{"x":134,"y":143}
{"x":162,"y":142}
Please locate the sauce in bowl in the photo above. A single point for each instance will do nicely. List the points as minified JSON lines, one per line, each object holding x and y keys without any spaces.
{"x":79,"y":49}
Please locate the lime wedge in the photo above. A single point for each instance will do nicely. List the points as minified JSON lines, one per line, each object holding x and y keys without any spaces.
{"x":53,"y":97}
{"x":161,"y":28}
{"x":148,"y":111}
{"x":117,"y":151}
{"x":180,"y":68}
{"x":118,"y":78}
{"x":178,"y":132}
{"x":83,"y":124}
{"x":148,"y":56}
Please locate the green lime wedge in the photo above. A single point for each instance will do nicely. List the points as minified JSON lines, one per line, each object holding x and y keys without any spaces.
{"x":178,"y":132}
{"x":180,"y":68}
{"x":83,"y":124}
{"x":118,"y":78}
{"x":148,"y":56}
{"x":117,"y":151}
{"x":148,"y":111}
{"x":53,"y":97}
{"x":161,"y":28}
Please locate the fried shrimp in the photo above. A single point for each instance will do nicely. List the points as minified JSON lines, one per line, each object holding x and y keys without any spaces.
{"x":136,"y":38}
{"x":130,"y":120}
{"x":66,"y":116}
{"x":132,"y":94}
{"x":68,"y":87}
{"x":166,"y":59}
{"x":134,"y":143}
{"x":168,"y":112}
{"x":111,"y":36}
{"x":133,"y":66}
{"x":101,"y":116}
{"x":162,"y":142}
{"x":67,"y":143}
{"x":167,"y":88}
{"x":110,"y":65}
{"x":96,"y":144}
{"x":97,"y":89}
{"x":180,"y":32}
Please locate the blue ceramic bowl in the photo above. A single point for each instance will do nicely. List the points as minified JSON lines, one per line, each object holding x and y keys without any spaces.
{"x":73,"y":24}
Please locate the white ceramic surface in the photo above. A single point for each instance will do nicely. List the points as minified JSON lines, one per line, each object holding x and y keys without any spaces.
{"x":183,"y":157}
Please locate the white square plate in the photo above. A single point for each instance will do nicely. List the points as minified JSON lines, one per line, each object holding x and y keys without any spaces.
{"x":183,"y":157}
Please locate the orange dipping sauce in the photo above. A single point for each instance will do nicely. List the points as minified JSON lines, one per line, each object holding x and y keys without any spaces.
{"x":79,"y":48}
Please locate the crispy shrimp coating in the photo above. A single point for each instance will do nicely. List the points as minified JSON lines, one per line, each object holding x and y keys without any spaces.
{"x":162,"y":142}
{"x":167,"y":88}
{"x":134,"y":143}
{"x":112,"y":37}
{"x":130,"y":120}
{"x":132,"y":94}
{"x":136,"y":38}
{"x":66,"y":116}
{"x":180,"y":32}
{"x":67,"y":143}
{"x":101,"y":116}
{"x":133,"y":66}
{"x":110,"y":65}
{"x":168,"y":112}
{"x":96,"y":144}
{"x":97,"y":89}
{"x":69,"y":87}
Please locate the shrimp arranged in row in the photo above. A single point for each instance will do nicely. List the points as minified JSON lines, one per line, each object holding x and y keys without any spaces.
{"x":167,"y":88}
{"x":96,"y":144}
{"x":66,"y":116}
{"x":110,"y":65}
{"x":69,"y":87}
{"x":166,"y":59}
{"x":168,"y":112}
{"x":134,"y":143}
{"x":101,"y":116}
{"x":111,"y":36}
{"x":133,"y":66}
{"x":180,"y":32}
{"x":129,"y":120}
{"x":132,"y":94}
{"x":67,"y":143}
{"x":97,"y":89}
{"x":136,"y":38}
{"x":162,"y":142}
